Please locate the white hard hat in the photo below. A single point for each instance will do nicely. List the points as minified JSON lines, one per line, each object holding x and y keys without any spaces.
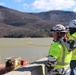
{"x":72,"y":24}
{"x":59,"y":28}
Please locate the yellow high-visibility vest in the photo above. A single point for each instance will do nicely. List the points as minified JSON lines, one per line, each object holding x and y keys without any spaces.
{"x":62,"y":56}
{"x":73,"y":37}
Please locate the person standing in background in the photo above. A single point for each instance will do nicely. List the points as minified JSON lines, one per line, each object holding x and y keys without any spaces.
{"x":59,"y":56}
{"x":72,"y":36}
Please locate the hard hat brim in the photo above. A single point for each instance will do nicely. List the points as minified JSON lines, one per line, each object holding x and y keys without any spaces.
{"x":59,"y":30}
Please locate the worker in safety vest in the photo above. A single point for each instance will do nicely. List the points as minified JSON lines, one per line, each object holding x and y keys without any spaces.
{"x":72,"y":36}
{"x":59,"y":56}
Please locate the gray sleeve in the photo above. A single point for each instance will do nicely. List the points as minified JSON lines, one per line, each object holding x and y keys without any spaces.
{"x":51,"y":63}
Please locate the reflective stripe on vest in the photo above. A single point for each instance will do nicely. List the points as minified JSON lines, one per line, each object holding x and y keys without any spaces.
{"x":63,"y":57}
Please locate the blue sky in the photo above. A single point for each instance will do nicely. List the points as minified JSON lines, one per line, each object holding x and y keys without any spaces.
{"x":39,"y":5}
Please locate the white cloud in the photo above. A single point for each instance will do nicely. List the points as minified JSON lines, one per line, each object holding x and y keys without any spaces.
{"x":25,"y":6}
{"x":2,"y":3}
{"x":53,"y":4}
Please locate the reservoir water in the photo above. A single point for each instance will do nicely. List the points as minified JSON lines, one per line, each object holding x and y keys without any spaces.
{"x":26,"y":48}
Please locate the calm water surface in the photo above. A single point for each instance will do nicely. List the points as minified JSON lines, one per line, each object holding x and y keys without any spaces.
{"x":26,"y":48}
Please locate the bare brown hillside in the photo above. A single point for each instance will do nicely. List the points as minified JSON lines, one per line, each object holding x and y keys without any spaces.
{"x":14,"y":23}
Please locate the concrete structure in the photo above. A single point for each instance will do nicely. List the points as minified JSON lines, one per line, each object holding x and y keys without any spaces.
{"x":35,"y":68}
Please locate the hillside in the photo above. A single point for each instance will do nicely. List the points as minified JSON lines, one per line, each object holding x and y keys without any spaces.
{"x":14,"y":23}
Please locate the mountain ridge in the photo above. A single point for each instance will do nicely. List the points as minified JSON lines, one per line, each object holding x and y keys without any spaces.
{"x":22,"y":24}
